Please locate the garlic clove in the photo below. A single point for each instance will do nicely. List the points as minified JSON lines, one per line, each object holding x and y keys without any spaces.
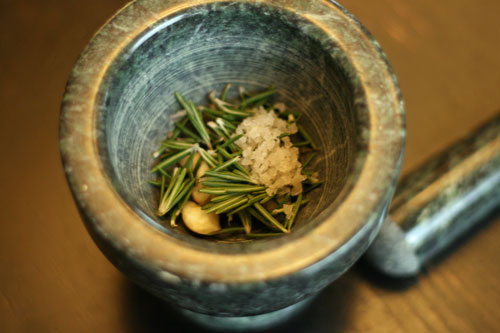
{"x":186,"y":159}
{"x":202,"y":169}
{"x":198,"y":221}
{"x":200,"y":198}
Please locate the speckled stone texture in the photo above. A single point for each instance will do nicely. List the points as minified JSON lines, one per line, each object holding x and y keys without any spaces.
{"x":450,"y":193}
{"x":439,"y":202}
{"x":117,"y":108}
{"x":210,"y":47}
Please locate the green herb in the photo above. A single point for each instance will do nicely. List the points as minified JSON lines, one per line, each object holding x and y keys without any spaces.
{"x":172,"y":160}
{"x":205,"y":138}
{"x":223,"y":95}
{"x":226,"y":164}
{"x":269,"y":217}
{"x":306,"y":136}
{"x":308,"y":160}
{"x":262,"y":96}
{"x":246,"y":220}
{"x":230,"y":141}
{"x":227,"y":230}
{"x":296,"y":206}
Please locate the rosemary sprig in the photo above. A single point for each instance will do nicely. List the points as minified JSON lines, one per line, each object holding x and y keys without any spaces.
{"x":169,"y":199}
{"x":215,"y":183}
{"x":269,"y":217}
{"x":227,"y":230}
{"x":194,"y":116}
{"x":233,"y":191}
{"x":182,"y":199}
{"x":260,"y":218}
{"x":227,"y":175}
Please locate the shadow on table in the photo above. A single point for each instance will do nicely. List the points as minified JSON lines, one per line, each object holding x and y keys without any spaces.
{"x":327,"y":313}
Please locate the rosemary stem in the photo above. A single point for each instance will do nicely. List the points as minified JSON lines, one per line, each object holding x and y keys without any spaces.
{"x":269,"y":217}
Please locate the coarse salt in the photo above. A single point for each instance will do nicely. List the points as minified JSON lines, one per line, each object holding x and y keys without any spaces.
{"x":272,"y":161}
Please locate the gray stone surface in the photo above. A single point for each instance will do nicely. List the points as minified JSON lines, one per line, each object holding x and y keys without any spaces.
{"x":117,"y":106}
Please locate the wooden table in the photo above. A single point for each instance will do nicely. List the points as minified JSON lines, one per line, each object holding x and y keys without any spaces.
{"x":54,"y":279}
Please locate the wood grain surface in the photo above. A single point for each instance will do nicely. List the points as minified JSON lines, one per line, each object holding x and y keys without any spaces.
{"x":54,"y":279}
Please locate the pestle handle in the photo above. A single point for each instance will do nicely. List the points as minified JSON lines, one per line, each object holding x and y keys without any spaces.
{"x":440,"y":201}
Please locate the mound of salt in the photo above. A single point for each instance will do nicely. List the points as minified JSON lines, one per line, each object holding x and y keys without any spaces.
{"x":272,"y":161}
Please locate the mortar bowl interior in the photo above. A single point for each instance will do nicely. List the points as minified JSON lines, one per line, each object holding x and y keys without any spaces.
{"x":203,"y":52}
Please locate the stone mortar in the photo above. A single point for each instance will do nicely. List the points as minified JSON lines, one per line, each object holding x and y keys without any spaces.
{"x":117,"y":108}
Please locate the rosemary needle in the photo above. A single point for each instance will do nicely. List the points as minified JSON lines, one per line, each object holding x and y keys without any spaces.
{"x":246,"y":220}
{"x":223,"y":204}
{"x":308,"y":160}
{"x":257,"y":97}
{"x":232,"y":140}
{"x":215,"y":183}
{"x":167,"y":202}
{"x":228,"y":176}
{"x":269,"y":217}
{"x":223,"y":95}
{"x":172,"y":160}
{"x":223,"y":197}
{"x":295,"y":209}
{"x":227,"y":230}
{"x":226,"y":164}
{"x":306,"y":136}
{"x":231,"y":189}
